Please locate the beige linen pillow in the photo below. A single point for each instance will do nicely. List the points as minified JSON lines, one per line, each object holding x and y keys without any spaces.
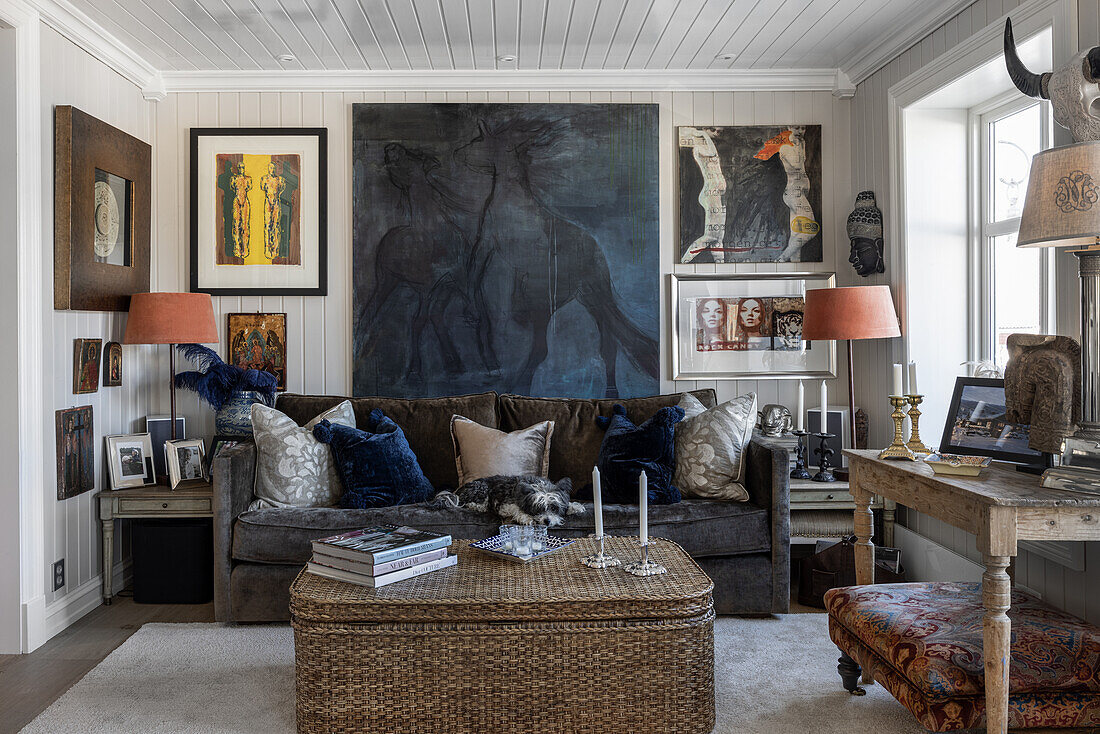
{"x":485,"y":452}
{"x":710,"y":447}
{"x":294,"y":469}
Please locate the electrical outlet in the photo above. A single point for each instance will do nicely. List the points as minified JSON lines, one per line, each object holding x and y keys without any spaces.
{"x":59,"y":574}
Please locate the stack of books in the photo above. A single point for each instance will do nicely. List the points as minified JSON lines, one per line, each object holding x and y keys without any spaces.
{"x":380,"y":555}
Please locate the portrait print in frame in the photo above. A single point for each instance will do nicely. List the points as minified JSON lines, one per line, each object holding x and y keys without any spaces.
{"x":86,"y":358}
{"x":258,"y":211}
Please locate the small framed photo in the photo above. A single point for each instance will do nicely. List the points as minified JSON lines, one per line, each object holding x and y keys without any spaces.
{"x":186,"y":462}
{"x":746,"y":326}
{"x":977,"y":424}
{"x":130,"y":460}
{"x":216,"y":445}
{"x":86,"y":357}
{"x":112,"y":365}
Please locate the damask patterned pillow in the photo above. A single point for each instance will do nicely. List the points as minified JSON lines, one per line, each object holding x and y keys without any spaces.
{"x":710,"y":447}
{"x":294,"y":469}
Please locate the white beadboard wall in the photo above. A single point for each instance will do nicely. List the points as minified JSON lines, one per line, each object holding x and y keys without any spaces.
{"x":1059,"y":585}
{"x":72,"y":529}
{"x":319,"y":329}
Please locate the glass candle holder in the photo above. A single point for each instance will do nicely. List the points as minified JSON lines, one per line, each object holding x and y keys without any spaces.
{"x":539,"y":538}
{"x":506,"y":532}
{"x":522,"y":540}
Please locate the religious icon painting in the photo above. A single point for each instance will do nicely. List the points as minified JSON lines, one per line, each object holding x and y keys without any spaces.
{"x":112,"y":365}
{"x":750,"y":194}
{"x":258,"y":341}
{"x":75,"y":456}
{"x":258,"y":211}
{"x":86,"y":359}
{"x":746,"y":326}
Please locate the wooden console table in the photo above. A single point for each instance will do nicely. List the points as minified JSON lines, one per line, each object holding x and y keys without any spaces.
{"x":1001,"y":507}
{"x":152,"y":502}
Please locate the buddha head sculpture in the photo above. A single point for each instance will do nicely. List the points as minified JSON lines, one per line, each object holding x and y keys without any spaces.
{"x":865,"y":232}
{"x":1043,"y":387}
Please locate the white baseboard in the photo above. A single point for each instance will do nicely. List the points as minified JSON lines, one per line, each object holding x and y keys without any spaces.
{"x":81,"y":600}
{"x":34,"y":624}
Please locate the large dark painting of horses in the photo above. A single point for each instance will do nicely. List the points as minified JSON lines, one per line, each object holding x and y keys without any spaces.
{"x":507,"y":247}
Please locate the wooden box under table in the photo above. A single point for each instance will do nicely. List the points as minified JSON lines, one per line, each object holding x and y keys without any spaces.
{"x":548,"y":646}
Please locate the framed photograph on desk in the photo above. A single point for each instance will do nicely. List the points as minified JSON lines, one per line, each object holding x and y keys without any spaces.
{"x":186,"y":462}
{"x":130,"y":460}
{"x":977,"y":426}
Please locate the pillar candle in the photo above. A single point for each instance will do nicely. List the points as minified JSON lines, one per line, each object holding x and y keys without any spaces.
{"x":597,"y":501}
{"x":897,"y":388}
{"x":800,"y":421}
{"x":913,"y":378}
{"x":643,"y":509}
{"x":824,"y":428}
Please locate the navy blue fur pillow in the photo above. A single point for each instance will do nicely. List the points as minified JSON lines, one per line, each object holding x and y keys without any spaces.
{"x":628,"y":449}
{"x":375,"y":463}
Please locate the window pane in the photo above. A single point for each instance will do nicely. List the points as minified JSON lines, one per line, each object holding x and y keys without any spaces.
{"x":1017,"y":290}
{"x":1016,"y":139}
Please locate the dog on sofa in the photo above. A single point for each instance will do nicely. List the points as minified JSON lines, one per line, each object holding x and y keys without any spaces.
{"x":520,"y":500}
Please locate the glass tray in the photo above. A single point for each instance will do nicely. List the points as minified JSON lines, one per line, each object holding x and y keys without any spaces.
{"x":492,"y":547}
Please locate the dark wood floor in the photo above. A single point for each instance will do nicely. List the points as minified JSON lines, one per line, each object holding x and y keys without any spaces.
{"x":30,"y":683}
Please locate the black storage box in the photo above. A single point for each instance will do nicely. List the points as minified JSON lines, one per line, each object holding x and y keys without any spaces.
{"x":173,"y":561}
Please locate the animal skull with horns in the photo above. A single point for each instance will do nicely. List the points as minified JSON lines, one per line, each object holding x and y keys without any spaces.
{"x":1073,"y":89}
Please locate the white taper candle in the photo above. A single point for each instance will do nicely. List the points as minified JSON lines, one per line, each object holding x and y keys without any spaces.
{"x":597,"y":501}
{"x":824,"y":427}
{"x":897,"y":388}
{"x":800,"y":420}
{"x":913,"y":378}
{"x":643,"y":509}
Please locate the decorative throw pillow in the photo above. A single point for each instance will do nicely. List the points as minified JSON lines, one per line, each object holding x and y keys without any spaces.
{"x":292,"y":468}
{"x":482,"y":452}
{"x":710,"y":447}
{"x":376,"y":465}
{"x":627,"y":450}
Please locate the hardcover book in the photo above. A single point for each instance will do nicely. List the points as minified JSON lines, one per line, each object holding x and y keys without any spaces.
{"x":381,"y":543}
{"x":377,"y":581}
{"x":377,"y":569}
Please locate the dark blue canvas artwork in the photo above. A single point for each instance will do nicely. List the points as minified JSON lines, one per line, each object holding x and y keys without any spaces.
{"x":507,"y":247}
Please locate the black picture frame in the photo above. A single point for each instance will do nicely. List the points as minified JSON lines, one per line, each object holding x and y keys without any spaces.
{"x":948,"y":444}
{"x":321,"y":289}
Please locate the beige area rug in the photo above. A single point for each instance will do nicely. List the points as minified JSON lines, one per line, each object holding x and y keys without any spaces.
{"x":773,"y":676}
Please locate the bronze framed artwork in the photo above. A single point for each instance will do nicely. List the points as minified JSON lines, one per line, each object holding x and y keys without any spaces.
{"x":75,"y":455}
{"x":87,"y":354}
{"x":102,"y":184}
{"x":258,"y":341}
{"x":112,"y":365}
{"x":258,"y":211}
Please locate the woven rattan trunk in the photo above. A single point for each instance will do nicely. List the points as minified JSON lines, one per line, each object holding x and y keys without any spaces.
{"x":490,"y":646}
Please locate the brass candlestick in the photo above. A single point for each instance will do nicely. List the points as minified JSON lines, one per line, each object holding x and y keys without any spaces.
{"x":898,"y":449}
{"x":915,"y":444}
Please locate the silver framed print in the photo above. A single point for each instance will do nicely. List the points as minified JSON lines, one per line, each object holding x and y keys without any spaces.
{"x":746,"y":326}
{"x":130,"y":460}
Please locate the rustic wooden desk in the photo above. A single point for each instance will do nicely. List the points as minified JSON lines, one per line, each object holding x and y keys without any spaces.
{"x":1001,"y":507}
{"x":156,"y":501}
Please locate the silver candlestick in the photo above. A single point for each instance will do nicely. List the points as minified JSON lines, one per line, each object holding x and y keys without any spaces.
{"x":644,"y":567}
{"x":600,"y":559}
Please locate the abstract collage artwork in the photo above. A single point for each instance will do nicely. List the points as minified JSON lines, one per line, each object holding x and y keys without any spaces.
{"x":507,"y":247}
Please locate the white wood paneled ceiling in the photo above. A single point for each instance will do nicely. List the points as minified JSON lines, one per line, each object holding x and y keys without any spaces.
{"x":432,"y":35}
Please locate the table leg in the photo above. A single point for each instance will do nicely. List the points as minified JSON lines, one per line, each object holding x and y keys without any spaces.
{"x":864,"y":523}
{"x":996,"y":641}
{"x":108,"y":558}
{"x":889,"y":510}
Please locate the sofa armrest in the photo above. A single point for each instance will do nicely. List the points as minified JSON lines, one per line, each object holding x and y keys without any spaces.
{"x":768,"y":482}
{"x":232,"y":478}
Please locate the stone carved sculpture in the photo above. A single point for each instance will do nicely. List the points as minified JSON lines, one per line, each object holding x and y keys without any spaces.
{"x":1073,"y":89}
{"x":865,"y":232}
{"x":1043,"y":387}
{"x":774,"y":420}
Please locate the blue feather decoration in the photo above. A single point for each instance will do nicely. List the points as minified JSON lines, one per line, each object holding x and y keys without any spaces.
{"x":215,"y":381}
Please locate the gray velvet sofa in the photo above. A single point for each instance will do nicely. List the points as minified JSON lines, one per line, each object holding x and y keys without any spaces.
{"x":743,"y":546}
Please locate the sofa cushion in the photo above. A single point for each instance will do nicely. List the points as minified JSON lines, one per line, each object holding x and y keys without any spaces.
{"x":425,"y":421}
{"x":482,"y":452}
{"x":710,"y":447}
{"x":702,"y":527}
{"x":628,"y":450}
{"x":577,"y":438}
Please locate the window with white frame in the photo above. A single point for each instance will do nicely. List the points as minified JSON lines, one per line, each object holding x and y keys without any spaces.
{"x":1013,"y":287}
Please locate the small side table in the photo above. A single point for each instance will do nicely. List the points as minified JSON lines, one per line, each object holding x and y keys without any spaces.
{"x":152,"y":502}
{"x":807,"y":494}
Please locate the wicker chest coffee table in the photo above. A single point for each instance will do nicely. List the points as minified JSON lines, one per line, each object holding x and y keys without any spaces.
{"x":491,"y":646}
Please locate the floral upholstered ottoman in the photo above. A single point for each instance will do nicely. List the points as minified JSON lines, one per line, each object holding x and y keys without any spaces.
{"x":923,"y":643}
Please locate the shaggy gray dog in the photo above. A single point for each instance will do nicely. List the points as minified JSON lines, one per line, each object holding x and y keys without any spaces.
{"x":522,"y":500}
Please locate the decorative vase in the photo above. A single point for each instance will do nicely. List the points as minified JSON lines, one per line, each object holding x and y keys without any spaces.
{"x":234,"y":418}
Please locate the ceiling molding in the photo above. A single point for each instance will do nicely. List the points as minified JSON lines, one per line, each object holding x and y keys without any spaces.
{"x":76,"y":26}
{"x":728,"y":80}
{"x":917,"y":23}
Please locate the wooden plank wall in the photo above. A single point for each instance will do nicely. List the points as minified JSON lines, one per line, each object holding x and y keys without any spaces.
{"x":72,"y":76}
{"x":1058,"y":585}
{"x":319,"y":328}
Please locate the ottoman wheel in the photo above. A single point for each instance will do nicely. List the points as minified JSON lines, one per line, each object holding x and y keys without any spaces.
{"x":849,"y":674}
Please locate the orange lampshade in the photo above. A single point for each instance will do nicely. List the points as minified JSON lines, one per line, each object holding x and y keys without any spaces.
{"x":171,"y":318}
{"x":859,"y":312}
